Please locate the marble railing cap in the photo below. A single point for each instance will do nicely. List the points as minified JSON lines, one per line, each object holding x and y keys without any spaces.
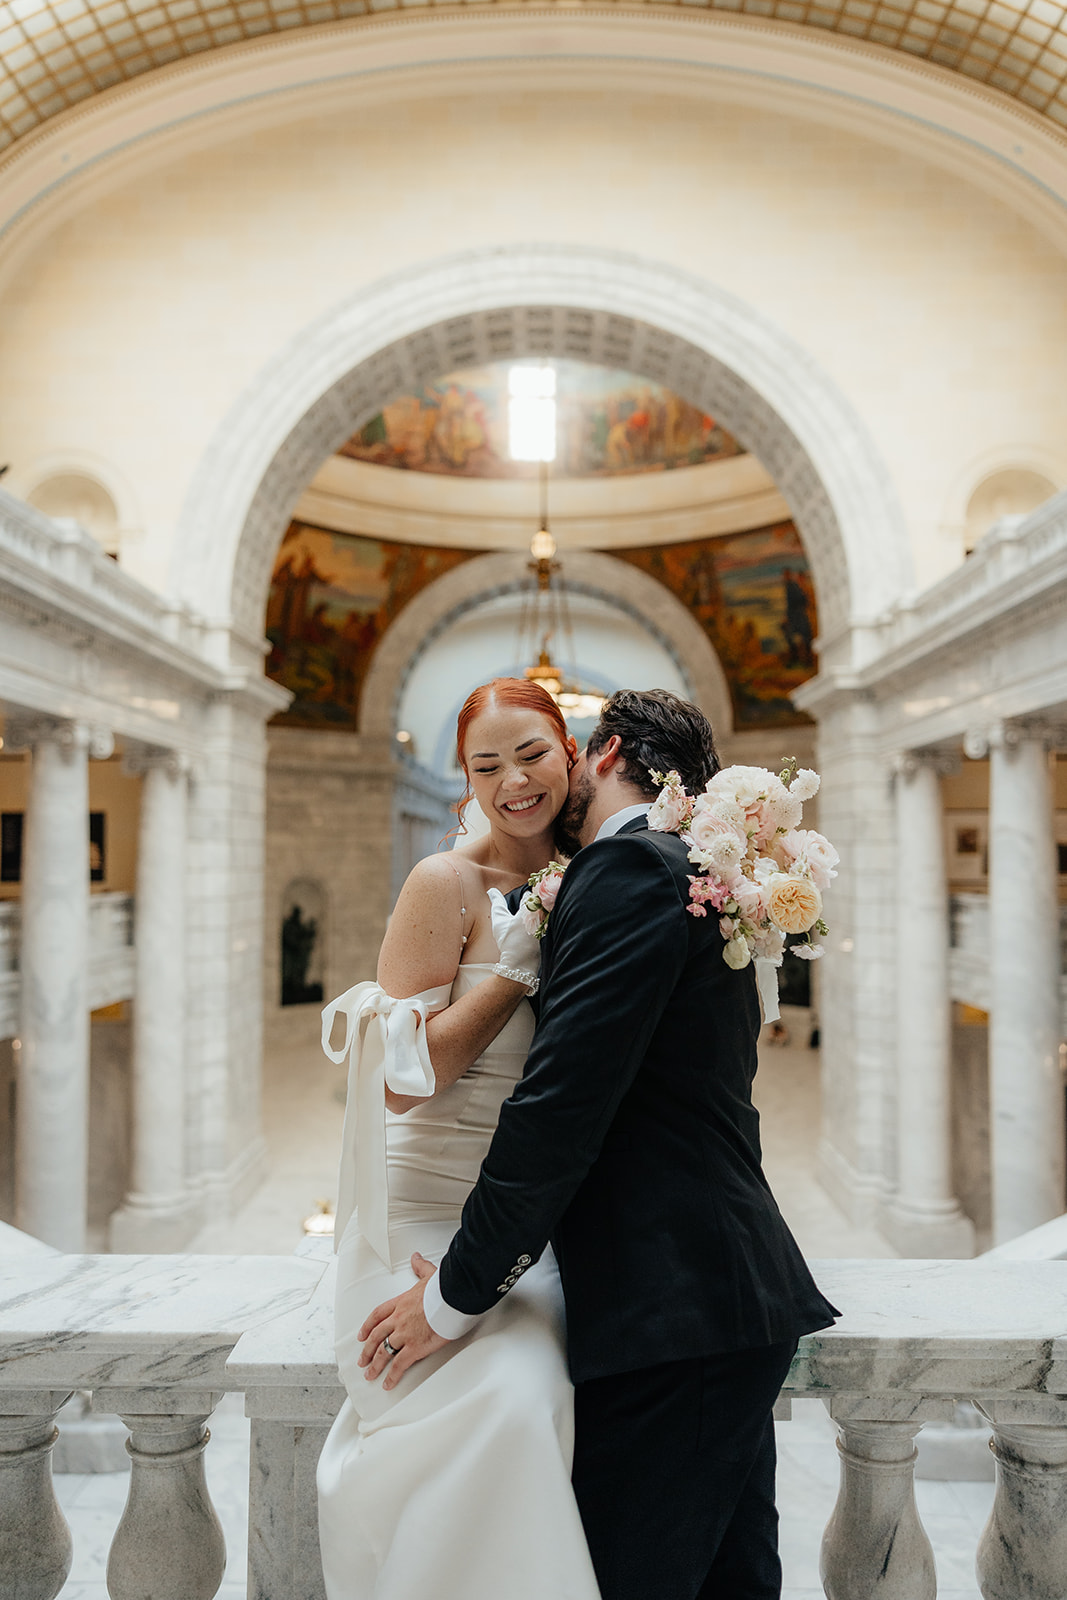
{"x":81,"y":1321}
{"x":939,"y":1327}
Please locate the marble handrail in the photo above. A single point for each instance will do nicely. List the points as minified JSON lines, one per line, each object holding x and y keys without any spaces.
{"x":968,"y":960}
{"x":111,"y":955}
{"x":159,"y":1339}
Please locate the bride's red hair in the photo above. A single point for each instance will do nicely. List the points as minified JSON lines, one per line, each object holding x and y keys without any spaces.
{"x":518,"y":693}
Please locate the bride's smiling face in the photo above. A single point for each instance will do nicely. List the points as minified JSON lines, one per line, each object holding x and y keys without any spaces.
{"x":518,"y":769}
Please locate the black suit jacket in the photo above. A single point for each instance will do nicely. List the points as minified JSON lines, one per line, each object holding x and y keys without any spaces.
{"x":631,"y":1140}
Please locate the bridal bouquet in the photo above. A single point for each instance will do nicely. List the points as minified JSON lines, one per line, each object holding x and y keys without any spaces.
{"x":758,"y":868}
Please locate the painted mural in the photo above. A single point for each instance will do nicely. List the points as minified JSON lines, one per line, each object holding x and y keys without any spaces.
{"x":753,"y":595}
{"x":332,"y":596}
{"x":608,"y":422}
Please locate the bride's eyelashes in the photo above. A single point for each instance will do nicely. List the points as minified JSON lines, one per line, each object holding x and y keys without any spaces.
{"x":487,"y":772}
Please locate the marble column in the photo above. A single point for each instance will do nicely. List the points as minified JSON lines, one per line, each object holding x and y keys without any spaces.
{"x":923,"y":1218}
{"x":1025,"y":1087}
{"x":52,"y":1135}
{"x":157,"y":1213}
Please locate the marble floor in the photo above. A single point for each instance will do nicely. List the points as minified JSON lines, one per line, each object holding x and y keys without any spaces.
{"x":303,"y":1110}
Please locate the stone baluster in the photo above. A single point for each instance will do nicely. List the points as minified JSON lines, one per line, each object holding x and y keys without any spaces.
{"x":1022,"y":1554}
{"x":1026,"y":1090}
{"x":157,"y":1213}
{"x":289,"y":1428}
{"x":35,"y":1543}
{"x":169,"y":1543}
{"x":53,"y":1087}
{"x":923,"y":1218}
{"x":874,"y":1544}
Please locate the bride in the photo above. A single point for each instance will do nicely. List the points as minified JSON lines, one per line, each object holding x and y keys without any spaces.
{"x":456,"y":1482}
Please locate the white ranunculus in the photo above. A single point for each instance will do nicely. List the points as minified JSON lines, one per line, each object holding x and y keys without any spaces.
{"x":735,"y":953}
{"x":707,"y":827}
{"x":811,"y":854}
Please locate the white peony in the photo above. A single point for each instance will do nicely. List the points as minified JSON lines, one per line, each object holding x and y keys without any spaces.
{"x":743,"y":785}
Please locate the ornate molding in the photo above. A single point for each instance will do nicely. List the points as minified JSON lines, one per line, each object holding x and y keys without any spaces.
{"x":25,"y":730}
{"x":939,"y":759}
{"x":139,"y":758}
{"x":1007,"y":734}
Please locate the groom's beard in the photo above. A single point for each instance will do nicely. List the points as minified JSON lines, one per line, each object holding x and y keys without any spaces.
{"x":571,"y":820}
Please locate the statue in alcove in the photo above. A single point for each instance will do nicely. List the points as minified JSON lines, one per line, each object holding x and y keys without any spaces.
{"x":298,"y":944}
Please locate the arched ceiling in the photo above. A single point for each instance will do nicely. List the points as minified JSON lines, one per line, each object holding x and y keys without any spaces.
{"x":57,"y":53}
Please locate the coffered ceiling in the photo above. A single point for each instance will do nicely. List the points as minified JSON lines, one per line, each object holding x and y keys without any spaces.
{"x":57,"y":53}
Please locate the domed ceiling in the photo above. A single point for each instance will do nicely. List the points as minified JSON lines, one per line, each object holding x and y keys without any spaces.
{"x":55,"y":53}
{"x":606,"y":423}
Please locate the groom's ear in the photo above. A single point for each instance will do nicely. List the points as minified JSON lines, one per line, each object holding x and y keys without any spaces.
{"x":607,"y":757}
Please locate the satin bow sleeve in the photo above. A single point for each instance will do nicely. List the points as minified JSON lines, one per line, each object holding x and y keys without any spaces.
{"x":385,"y":1044}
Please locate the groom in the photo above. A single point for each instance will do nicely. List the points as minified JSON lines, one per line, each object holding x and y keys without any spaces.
{"x":633,"y":1143}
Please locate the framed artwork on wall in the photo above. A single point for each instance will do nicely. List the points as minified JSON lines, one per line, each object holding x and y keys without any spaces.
{"x":967,"y":846}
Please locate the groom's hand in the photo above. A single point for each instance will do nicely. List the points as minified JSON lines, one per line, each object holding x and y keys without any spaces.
{"x":403,"y":1324}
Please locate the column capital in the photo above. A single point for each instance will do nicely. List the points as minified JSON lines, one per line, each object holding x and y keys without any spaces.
{"x":936,"y":758}
{"x":23,"y":730}
{"x":139,"y":758}
{"x":1005,"y":734}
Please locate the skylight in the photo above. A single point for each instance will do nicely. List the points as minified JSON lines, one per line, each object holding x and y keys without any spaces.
{"x":532,"y":413}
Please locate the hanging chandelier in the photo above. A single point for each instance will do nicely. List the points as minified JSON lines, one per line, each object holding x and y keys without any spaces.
{"x":545,"y":618}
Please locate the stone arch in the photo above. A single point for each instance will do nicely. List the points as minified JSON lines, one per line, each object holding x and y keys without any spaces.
{"x":483,"y":577}
{"x":553,"y":300}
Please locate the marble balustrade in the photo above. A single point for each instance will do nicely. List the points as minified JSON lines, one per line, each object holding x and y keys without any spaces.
{"x":968,"y":959}
{"x":111,"y":956}
{"x":159,"y":1339}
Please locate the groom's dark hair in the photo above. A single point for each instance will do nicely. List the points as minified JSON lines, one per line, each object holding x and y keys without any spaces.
{"x":657,"y":732}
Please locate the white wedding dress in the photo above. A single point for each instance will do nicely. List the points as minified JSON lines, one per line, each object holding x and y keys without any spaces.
{"x":455,"y":1485}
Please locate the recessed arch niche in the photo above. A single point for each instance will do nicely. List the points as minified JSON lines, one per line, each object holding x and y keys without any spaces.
{"x":604,"y":307}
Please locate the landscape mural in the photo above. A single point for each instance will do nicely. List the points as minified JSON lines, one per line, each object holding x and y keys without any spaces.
{"x":608,"y":422}
{"x":753,"y":595}
{"x":332,"y":596}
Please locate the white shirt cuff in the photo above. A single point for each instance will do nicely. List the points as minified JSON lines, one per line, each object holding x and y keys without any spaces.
{"x":445,"y":1320}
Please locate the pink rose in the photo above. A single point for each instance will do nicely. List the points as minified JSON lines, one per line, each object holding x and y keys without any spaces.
{"x":670,"y":812}
{"x":548,"y":889}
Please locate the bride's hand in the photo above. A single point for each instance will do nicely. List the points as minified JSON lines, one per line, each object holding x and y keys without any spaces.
{"x":520,"y":951}
{"x":403,"y":1324}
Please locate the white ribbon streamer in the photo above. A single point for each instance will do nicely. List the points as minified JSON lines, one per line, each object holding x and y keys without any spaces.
{"x":767,"y":984}
{"x":394,"y":1055}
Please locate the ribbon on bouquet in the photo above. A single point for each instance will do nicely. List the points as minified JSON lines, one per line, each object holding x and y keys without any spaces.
{"x":385,"y":1043}
{"x":767,"y":984}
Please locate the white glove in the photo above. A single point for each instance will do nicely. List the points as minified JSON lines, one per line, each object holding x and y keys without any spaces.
{"x":520,"y":952}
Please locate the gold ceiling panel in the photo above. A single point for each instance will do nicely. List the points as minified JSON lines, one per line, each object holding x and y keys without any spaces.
{"x":55,"y":53}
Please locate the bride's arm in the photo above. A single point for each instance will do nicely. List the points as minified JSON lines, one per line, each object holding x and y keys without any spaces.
{"x":421,"y":950}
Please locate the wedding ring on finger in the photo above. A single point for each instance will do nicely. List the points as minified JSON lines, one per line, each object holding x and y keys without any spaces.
{"x":389,"y":1349}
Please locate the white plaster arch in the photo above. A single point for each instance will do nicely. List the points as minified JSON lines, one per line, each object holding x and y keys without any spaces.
{"x":479,"y":579}
{"x":598,"y":305}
